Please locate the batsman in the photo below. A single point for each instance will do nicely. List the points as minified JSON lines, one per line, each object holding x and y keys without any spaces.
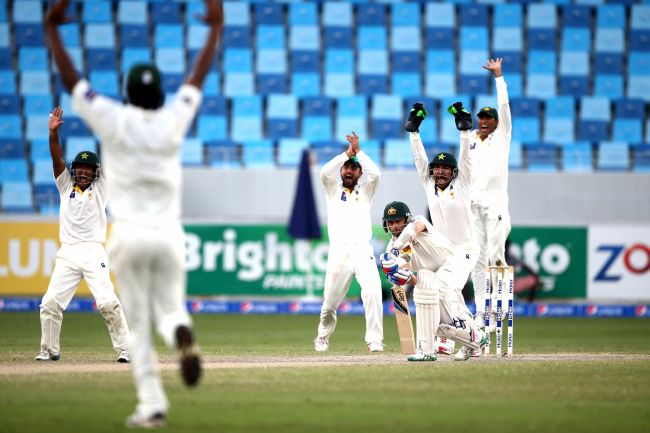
{"x":419,"y":254}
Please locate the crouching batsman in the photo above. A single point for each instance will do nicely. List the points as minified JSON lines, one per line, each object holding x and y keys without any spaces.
{"x":420,"y":255}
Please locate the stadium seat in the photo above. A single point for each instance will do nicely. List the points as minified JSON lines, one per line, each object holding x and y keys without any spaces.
{"x":316,"y":128}
{"x":316,"y":106}
{"x":73,"y":127}
{"x":574,"y":85}
{"x":43,"y":172}
{"x":134,"y":35}
{"x":238,"y":84}
{"x":302,"y":13}
{"x":32,"y":59}
{"x":37,"y":127}
{"x":222,"y":154}
{"x":542,"y":39}
{"x":11,"y":126}
{"x":290,"y":151}
{"x":372,"y":38}
{"x":304,"y":38}
{"x":101,"y":59}
{"x":305,"y":61}
{"x":168,"y":36}
{"x":39,"y":149}
{"x":98,"y":12}
{"x":372,"y":84}
{"x":270,"y":37}
{"x":526,"y":129}
{"x":70,"y":34}
{"x":629,"y":109}
{"x":507,"y":39}
{"x":372,"y":62}
{"x":610,"y":16}
{"x":17,"y":197}
{"x":440,"y":15}
{"x":28,"y":35}
{"x":406,"y":84}
{"x":281,"y":116}
{"x":12,"y":148}
{"x":404,"y":14}
{"x":132,"y":12}
{"x":630,"y":130}
{"x":405,"y":38}
{"x":236,"y":37}
{"x":397,"y":154}
{"x":576,"y":39}
{"x":46,"y":197}
{"x":507,"y":15}
{"x":641,"y":158}
{"x":471,"y":84}
{"x":268,"y":13}
{"x":165,"y":12}
{"x":613,"y":156}
{"x":576,"y":16}
{"x":339,"y":84}
{"x":559,"y":130}
{"x":258,"y":154}
{"x":541,"y":157}
{"x":370,"y":14}
{"x":211,"y":127}
{"x":609,"y":85}
{"x":306,"y":84}
{"x":473,"y":15}
{"x":577,"y":157}
{"x":325,"y":150}
{"x":516,"y":156}
{"x":27,"y":11}
{"x":132,"y":56}
{"x":246,"y":118}
{"x":439,"y":38}
{"x":405,"y":62}
{"x":271,"y":83}
{"x":609,"y":40}
{"x":9,"y":104}
{"x":473,"y":38}
{"x":13,"y":170}
{"x":522,"y":107}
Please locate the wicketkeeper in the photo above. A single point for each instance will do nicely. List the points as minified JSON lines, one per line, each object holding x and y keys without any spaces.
{"x":419,"y":254}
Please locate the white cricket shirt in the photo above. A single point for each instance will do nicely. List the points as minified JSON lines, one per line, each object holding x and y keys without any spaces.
{"x":82,"y":214}
{"x":451,"y":211}
{"x":429,"y":249}
{"x":140,"y":152}
{"x":348,"y":212}
{"x":491,"y":156}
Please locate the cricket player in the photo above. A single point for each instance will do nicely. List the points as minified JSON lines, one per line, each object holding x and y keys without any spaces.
{"x":82,"y":232}
{"x":141,"y":142}
{"x":440,"y":268}
{"x":490,"y":151}
{"x":350,"y":252}
{"x":447,"y":185}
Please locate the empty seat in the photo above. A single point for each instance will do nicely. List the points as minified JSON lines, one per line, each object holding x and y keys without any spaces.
{"x":306,"y":84}
{"x":132,"y":56}
{"x":629,"y":130}
{"x":507,"y":15}
{"x":11,"y":126}
{"x":325,"y":150}
{"x":268,"y":13}
{"x":246,"y":118}
{"x":526,"y":129}
{"x":28,"y":35}
{"x":609,"y":85}
{"x":397,"y":154}
{"x":13,"y":170}
{"x":258,"y":154}
{"x":132,"y":12}
{"x":37,"y":127}
{"x":439,"y":37}
{"x":641,"y":158}
{"x":32,"y":59}
{"x":541,"y":157}
{"x":406,"y":83}
{"x":211,"y":127}
{"x":46,"y":197}
{"x":98,"y":12}
{"x":281,"y":116}
{"x":404,"y":14}
{"x":371,"y":38}
{"x":471,"y":61}
{"x":387,"y":117}
{"x":559,"y":130}
{"x":270,"y":37}
{"x":73,"y":127}
{"x":12,"y":148}
{"x":39,"y":149}
{"x":405,"y":38}
{"x":9,"y":104}
{"x":613,"y":156}
{"x":609,"y":40}
{"x":339,"y":84}
{"x":522,"y":107}
{"x":473,"y":38}
{"x":236,"y":37}
{"x":610,"y":16}
{"x":302,"y":13}
{"x":134,"y":35}
{"x":473,"y":14}
{"x":577,"y":157}
{"x":222,"y":154}
{"x":168,"y":36}
{"x":170,"y":60}
{"x":371,"y":14}
{"x":507,"y":39}
{"x":290,"y":151}
{"x":70,"y":34}
{"x":629,"y":109}
{"x":43,"y":173}
{"x":440,"y":15}
{"x":304,"y":38}
{"x":165,"y":12}
{"x":516,"y":156}
{"x":305,"y":61}
{"x":27,"y":11}
{"x":17,"y":196}
{"x":575,"y":16}
{"x":101,"y":59}
{"x":576,"y":39}
{"x":316,"y":128}
{"x":541,"y":85}
{"x":542,"y":39}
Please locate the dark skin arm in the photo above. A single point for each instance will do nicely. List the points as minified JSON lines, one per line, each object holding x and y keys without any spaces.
{"x":55,"y":17}
{"x":58,"y":164}
{"x":214,"y":19}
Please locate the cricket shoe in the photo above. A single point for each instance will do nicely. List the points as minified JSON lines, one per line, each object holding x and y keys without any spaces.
{"x":463,"y":354}
{"x":445,"y":346}
{"x":422,"y":357}
{"x":375,"y":346}
{"x":124,"y":357}
{"x":45,"y":355}
{"x":189,"y":356}
{"x":321,"y":344}
{"x":157,"y":420}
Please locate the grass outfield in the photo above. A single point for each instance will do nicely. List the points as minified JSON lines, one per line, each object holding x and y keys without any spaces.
{"x":580,"y":393}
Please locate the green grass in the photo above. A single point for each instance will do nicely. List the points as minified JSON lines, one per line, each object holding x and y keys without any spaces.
{"x":568,"y":396}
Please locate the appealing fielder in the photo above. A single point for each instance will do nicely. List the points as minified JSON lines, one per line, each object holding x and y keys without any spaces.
{"x":82,"y":232}
{"x":415,"y":246}
{"x":350,"y":254}
{"x":491,"y":148}
{"x":447,"y":187}
{"x":141,"y":144}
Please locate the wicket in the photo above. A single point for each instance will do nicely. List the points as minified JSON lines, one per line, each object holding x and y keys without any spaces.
{"x":504,"y":274}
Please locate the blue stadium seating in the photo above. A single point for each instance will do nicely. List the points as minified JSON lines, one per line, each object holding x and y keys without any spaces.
{"x":268,"y":13}
{"x":222,"y":154}
{"x":613,"y":156}
{"x":165,"y":12}
{"x":13,"y":170}
{"x":576,"y":16}
{"x":17,"y":197}
{"x":290,"y":151}
{"x":371,"y":14}
{"x":270,"y":37}
{"x":541,"y":157}
{"x":516,"y":156}
{"x":577,"y":157}
{"x":29,"y":35}
{"x":641,"y":158}
{"x":258,"y":154}
{"x":12,"y":148}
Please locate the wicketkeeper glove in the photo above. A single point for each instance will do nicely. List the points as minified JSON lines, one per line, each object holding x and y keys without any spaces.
{"x":416,"y":116}
{"x":461,"y":115}
{"x":401,"y":276}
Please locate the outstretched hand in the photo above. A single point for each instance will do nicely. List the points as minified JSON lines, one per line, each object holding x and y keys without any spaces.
{"x":354,"y":143}
{"x":55,"y":119}
{"x":56,"y":14}
{"x":213,"y":13}
{"x":494,"y":65}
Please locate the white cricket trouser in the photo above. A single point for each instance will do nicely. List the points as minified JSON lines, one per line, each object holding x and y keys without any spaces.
{"x":491,"y":228}
{"x":450,"y":280}
{"x":73,"y":262}
{"x":149,"y":266}
{"x":343,"y":264}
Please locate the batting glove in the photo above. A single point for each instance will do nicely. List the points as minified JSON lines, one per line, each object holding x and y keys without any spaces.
{"x":401,"y":276}
{"x":416,"y":116}
{"x":462,"y":117}
{"x":389,"y":263}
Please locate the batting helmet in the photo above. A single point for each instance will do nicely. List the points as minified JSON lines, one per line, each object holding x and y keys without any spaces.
{"x":395,"y":210}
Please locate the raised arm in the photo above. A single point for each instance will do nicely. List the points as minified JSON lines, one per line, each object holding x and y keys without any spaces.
{"x":214,"y":19}
{"x":505,"y":118}
{"x":419,"y":156}
{"x":465,"y":163}
{"x":58,"y":163}
{"x":55,"y":17}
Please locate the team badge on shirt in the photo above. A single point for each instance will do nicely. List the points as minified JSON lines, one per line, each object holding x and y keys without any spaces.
{"x":344,"y":196}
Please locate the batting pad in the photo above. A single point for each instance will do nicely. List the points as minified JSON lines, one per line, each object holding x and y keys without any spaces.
{"x":427,"y":309}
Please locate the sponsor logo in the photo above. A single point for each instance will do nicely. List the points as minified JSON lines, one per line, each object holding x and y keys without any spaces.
{"x":295,"y":307}
{"x":591,"y":310}
{"x":196,"y":306}
{"x":639,"y":311}
{"x":246,"y":307}
{"x":635,"y":259}
{"x":344,"y":307}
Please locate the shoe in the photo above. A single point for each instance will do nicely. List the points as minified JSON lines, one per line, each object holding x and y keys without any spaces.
{"x":477,"y":353}
{"x":321,"y":344}
{"x":45,"y":355}
{"x":445,"y":346}
{"x":375,"y":346}
{"x":482,"y":342}
{"x":189,"y":356}
{"x":418,"y":357}
{"x":124,"y":357}
{"x":157,"y":420}
{"x":417,"y":114}
{"x":463,"y":354}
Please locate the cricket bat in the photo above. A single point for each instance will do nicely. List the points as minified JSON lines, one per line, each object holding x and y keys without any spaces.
{"x":403,"y":318}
